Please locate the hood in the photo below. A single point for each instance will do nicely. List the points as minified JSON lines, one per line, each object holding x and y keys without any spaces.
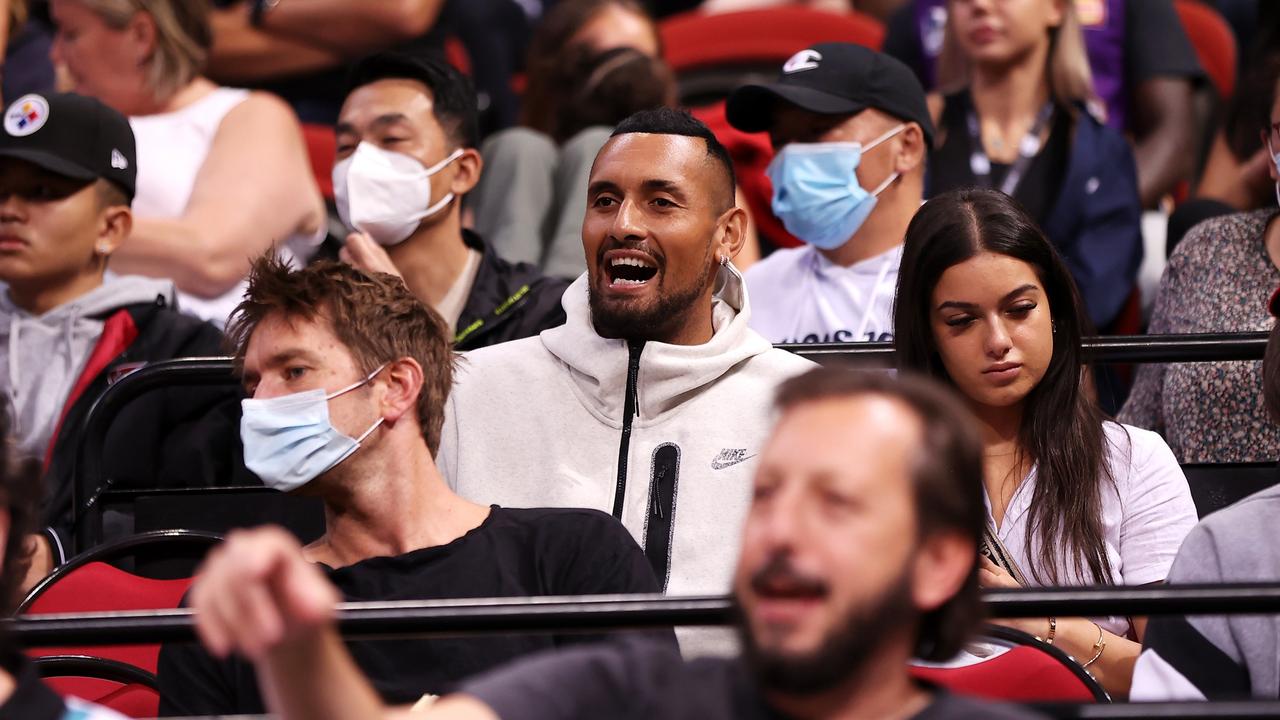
{"x":668,"y":373}
{"x":116,"y":292}
{"x":45,"y":354}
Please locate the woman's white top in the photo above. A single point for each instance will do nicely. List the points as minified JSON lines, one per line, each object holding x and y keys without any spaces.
{"x":172,"y":148}
{"x":1146,"y":515}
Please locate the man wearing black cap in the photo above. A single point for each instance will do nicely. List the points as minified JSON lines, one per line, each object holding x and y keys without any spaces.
{"x":851,"y":130}
{"x":67,"y":178}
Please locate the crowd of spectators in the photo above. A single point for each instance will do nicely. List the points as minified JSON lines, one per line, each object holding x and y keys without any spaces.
{"x":518,"y":339}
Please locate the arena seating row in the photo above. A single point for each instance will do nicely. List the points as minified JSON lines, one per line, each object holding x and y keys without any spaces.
{"x":139,"y":544}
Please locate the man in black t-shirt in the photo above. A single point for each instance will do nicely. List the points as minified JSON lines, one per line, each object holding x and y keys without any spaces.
{"x":347,"y":375}
{"x":859,"y":551}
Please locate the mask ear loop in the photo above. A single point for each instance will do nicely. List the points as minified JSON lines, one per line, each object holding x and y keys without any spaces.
{"x":889,"y":180}
{"x":349,"y":388}
{"x":884,"y":137}
{"x":357,"y":383}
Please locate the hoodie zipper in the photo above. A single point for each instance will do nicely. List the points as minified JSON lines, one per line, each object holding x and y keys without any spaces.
{"x":662,"y":507}
{"x":628,"y":414}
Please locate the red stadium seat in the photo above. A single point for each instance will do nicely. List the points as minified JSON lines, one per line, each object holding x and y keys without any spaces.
{"x":119,"y":686}
{"x":698,"y":40}
{"x":1214,"y":42}
{"x":87,"y":583}
{"x":1029,"y":671}
{"x":322,"y":150}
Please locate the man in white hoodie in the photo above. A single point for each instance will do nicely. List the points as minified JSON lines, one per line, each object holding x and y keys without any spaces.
{"x":651,"y":402}
{"x":67,"y":178}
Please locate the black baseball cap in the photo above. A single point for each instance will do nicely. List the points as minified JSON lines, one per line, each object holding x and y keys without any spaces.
{"x":72,"y":135}
{"x":834,"y":79}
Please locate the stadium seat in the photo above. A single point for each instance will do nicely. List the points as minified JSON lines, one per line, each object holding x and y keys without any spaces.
{"x":90,"y":583}
{"x":1214,"y":42}
{"x":1214,"y":486}
{"x":128,"y":690}
{"x":712,"y":54}
{"x":322,"y":152}
{"x":202,"y":452}
{"x":1026,"y":671}
{"x":694,"y":39}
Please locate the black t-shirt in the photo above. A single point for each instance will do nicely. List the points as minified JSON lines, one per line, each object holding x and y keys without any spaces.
{"x":512,"y":553}
{"x":642,"y":680}
{"x":1037,"y":191}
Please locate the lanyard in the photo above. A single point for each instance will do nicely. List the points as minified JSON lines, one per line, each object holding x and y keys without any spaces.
{"x":980,"y":163}
{"x":888,"y":263}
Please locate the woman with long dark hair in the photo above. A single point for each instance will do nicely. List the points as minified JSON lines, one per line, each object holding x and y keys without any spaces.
{"x":987,"y":304}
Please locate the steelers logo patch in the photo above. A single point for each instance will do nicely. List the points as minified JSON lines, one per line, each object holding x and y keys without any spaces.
{"x":26,"y":115}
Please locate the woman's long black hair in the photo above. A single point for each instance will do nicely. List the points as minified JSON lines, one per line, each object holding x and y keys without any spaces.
{"x":1062,"y":426}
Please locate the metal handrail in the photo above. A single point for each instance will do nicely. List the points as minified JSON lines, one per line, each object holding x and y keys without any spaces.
{"x":1206,"y":347}
{"x":440,"y":618}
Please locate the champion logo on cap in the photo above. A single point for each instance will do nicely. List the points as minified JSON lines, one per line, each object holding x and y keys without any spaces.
{"x":803,"y":60}
{"x":26,"y":115}
{"x":118,"y":160}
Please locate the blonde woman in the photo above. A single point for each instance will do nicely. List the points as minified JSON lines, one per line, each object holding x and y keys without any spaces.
{"x":1017,"y":113}
{"x":222,"y":173}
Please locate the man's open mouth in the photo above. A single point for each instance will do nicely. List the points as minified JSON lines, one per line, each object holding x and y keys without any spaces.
{"x":630,"y":270}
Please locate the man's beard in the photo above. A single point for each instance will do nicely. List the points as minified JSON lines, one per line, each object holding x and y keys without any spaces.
{"x":655,"y":321}
{"x":850,"y":646}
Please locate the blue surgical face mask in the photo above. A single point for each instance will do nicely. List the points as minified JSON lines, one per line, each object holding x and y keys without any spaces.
{"x":816,"y":193}
{"x":289,"y":440}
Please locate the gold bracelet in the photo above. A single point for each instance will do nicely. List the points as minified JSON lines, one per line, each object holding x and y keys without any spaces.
{"x":1098,"y":647}
{"x":1053,"y":630}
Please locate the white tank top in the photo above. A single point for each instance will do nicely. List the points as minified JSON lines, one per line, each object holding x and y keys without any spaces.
{"x":171,"y":149}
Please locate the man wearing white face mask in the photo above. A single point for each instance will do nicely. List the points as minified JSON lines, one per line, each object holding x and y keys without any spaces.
{"x":851,"y":130}
{"x":406,"y":156}
{"x":347,"y":375}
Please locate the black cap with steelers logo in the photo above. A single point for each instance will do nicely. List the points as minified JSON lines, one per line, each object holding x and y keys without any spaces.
{"x":72,"y":135}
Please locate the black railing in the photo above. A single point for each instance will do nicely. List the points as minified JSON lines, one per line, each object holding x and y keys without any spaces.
{"x":1210,"y":347}
{"x":437,"y":618}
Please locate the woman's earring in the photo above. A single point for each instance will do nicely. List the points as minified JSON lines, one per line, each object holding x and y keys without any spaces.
{"x":1054,"y":324}
{"x":724,"y":261}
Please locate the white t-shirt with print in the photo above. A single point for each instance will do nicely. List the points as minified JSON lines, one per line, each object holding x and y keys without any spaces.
{"x":1145,"y":516}
{"x":798,"y":295}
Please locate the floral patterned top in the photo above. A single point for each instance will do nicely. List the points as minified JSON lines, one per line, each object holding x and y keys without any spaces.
{"x":1218,"y":280}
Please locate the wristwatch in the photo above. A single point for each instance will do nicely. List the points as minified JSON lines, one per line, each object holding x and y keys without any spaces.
{"x":258,"y":9}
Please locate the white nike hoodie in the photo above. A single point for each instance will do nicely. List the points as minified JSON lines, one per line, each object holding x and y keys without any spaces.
{"x":665,"y":439}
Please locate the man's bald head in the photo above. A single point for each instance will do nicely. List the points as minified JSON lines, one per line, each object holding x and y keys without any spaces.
{"x":667,"y":121}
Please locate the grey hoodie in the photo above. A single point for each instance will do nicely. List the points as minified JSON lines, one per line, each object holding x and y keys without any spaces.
{"x":43,"y":356}
{"x":538,"y":422}
{"x":1218,"y":657}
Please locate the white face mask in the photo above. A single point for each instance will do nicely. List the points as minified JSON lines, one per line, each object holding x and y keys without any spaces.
{"x":386,"y":194}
